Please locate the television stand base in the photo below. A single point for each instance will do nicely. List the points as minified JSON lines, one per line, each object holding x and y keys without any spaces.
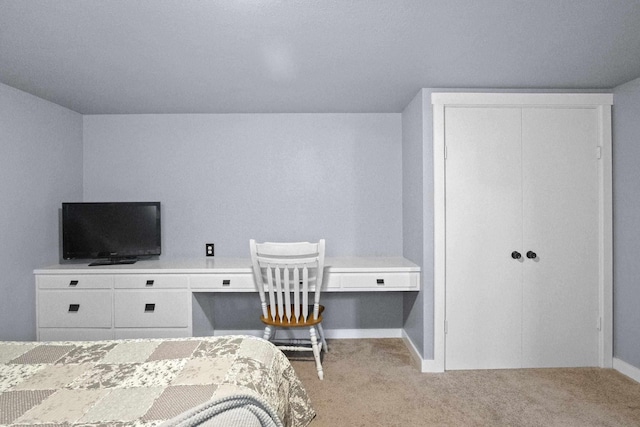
{"x":113,"y":261}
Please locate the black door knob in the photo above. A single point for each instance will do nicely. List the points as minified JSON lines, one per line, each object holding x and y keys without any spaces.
{"x":531,"y":255}
{"x":516,"y":255}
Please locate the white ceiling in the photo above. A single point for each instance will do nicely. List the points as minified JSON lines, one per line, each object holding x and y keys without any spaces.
{"x":245,"y":56}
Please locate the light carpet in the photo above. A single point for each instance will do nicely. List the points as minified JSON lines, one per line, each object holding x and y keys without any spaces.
{"x":372,"y":382}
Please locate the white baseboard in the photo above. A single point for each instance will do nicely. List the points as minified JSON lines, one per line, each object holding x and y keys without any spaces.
{"x":328,"y":333}
{"x":363,"y":333}
{"x":430,"y":365}
{"x":424,"y":365}
{"x":626,"y":369}
{"x":415,"y":354}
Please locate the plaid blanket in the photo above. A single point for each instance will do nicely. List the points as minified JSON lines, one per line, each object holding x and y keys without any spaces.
{"x":143,"y":382}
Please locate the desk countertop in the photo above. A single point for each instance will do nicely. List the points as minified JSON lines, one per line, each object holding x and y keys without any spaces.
{"x":228,"y":265}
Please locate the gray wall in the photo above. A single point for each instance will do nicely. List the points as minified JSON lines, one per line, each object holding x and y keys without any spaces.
{"x":626,"y":223}
{"x":428,"y":246}
{"x":40,"y":167}
{"x":413,"y":215}
{"x":226,"y":178}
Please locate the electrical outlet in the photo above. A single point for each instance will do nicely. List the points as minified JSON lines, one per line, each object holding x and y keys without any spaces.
{"x":210,"y":248}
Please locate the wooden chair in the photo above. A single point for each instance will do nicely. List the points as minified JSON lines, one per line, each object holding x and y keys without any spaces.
{"x":288,"y":272}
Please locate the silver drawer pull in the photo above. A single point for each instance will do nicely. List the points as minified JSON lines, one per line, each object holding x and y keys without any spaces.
{"x":380,"y":282}
{"x":149,"y":283}
{"x":226,"y":282}
{"x":149,"y":308}
{"x":73,"y":283}
{"x":73,"y":308}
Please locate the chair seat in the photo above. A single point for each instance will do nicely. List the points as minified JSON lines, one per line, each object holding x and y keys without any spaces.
{"x":293,"y":323}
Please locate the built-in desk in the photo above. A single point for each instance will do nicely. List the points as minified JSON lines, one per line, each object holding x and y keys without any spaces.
{"x":153,"y":298}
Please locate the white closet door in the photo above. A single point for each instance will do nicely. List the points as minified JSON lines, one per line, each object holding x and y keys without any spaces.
{"x":483,"y":228}
{"x":560,"y":200}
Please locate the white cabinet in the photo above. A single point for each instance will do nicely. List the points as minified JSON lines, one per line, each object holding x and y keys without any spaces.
{"x":75,"y":282}
{"x":153,"y":299}
{"x":74,"y":307}
{"x":106,"y":306}
{"x":380,"y":281}
{"x":151,"y":309}
{"x":151,"y":305}
{"x":227,"y":282}
{"x":523,"y":242}
{"x":151,"y":281}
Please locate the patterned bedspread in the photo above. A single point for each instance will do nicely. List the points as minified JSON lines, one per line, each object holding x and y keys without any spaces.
{"x":142,"y":382}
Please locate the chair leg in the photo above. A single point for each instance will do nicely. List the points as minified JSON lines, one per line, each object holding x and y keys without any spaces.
{"x":267,"y":333}
{"x":316,"y":351}
{"x":324,"y":342}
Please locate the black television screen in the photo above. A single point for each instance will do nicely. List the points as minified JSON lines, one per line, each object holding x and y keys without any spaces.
{"x":118,"y":231}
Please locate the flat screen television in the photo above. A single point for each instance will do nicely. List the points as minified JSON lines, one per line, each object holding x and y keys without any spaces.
{"x":113,"y":233}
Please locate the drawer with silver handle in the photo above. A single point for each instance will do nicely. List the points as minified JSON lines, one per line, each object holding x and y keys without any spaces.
{"x":80,"y":309}
{"x":151,"y":281}
{"x":235,"y":282}
{"x":151,"y":309}
{"x":77,"y":281}
{"x":379,"y":281}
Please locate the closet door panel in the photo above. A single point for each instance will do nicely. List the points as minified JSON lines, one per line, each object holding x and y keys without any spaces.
{"x":483,"y":228}
{"x":560,"y":224}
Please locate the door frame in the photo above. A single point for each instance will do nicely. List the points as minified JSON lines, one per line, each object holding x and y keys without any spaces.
{"x":600,"y":102}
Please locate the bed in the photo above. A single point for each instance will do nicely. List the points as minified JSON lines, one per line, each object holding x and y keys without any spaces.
{"x":231,"y":380}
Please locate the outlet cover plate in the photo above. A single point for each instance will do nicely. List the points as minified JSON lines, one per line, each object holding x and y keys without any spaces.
{"x":210,"y":250}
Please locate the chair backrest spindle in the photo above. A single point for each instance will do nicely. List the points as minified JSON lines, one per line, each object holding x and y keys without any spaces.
{"x":283,"y":269}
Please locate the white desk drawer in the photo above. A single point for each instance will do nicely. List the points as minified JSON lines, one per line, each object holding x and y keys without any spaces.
{"x":79,"y":309}
{"x":223,"y":281}
{"x":151,"y":309}
{"x":79,"y":281}
{"x":378,"y":280}
{"x":151,"y":281}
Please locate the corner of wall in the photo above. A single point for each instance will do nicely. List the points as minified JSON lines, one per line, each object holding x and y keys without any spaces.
{"x":626,"y":369}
